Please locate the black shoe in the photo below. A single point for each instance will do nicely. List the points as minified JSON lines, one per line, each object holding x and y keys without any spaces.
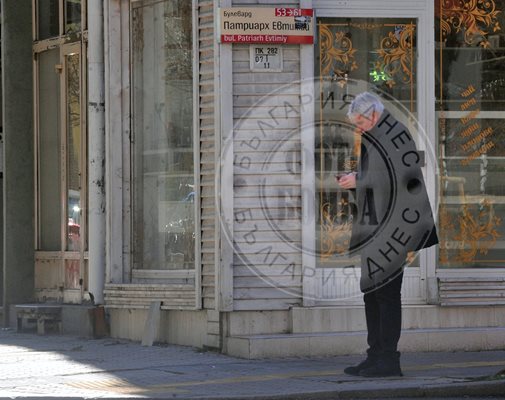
{"x":356,"y":369}
{"x":382,"y":369}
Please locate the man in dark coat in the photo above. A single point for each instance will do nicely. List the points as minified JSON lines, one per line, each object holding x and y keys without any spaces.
{"x":393,"y":219}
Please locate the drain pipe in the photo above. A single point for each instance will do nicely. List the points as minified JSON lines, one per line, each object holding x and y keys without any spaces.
{"x":96,"y":151}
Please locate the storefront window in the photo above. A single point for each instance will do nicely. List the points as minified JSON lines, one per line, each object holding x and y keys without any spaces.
{"x":470,"y":105}
{"x":354,"y":55}
{"x":74,"y":151}
{"x":61,"y":153}
{"x":49,"y":182}
{"x":53,"y":14}
{"x":164,"y":177}
{"x":48,"y":20}
{"x":72,"y":16}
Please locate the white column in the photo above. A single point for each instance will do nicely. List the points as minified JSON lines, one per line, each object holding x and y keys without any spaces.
{"x":96,"y":149}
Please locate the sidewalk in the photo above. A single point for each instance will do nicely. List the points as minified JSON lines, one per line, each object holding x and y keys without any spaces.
{"x":70,"y":367}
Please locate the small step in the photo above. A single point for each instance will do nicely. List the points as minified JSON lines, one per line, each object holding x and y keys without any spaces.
{"x":345,"y":343}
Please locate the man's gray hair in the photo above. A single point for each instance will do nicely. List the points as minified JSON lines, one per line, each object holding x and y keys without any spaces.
{"x":365,"y":104}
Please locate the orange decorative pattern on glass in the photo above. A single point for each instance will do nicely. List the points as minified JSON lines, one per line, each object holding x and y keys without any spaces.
{"x":336,"y":235}
{"x":337,"y":53}
{"x":395,"y":54}
{"x":475,"y":18}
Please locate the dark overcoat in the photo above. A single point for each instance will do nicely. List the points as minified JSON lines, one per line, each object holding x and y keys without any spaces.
{"x":393,"y":212}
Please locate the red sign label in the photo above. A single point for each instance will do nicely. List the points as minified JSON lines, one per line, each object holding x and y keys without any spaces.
{"x":274,"y":39}
{"x":293,"y":12}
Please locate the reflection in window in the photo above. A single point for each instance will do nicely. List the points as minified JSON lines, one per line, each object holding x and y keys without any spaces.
{"x":164,"y":190}
{"x":73,"y":152}
{"x":470,"y":94}
{"x":72,"y":16}
{"x":352,"y":54}
{"x":381,"y":51}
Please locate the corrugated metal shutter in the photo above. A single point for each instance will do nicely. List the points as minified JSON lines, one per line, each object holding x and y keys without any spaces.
{"x":207,"y":149}
{"x":256,"y":97}
{"x":140,"y":296}
{"x":471,"y":291}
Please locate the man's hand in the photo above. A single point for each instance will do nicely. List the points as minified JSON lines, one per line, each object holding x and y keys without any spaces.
{"x":347,"y":181}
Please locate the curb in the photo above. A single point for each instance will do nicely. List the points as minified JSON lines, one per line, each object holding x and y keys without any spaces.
{"x":457,"y":390}
{"x":467,"y":389}
{"x":471,"y":389}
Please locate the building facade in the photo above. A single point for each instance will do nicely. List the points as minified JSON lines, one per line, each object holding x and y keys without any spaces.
{"x":155,"y":167}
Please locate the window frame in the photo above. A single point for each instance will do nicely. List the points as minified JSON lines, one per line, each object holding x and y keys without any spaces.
{"x":412,"y":9}
{"x":120,"y":189}
{"x":66,"y":50}
{"x":61,"y":22}
{"x":65,"y":44}
{"x":137,"y":266}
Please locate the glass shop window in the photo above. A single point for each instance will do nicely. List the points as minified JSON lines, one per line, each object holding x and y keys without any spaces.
{"x":470,"y":105}
{"x":72,"y":16}
{"x":49,"y":166}
{"x":48,"y":12}
{"x":57,"y":17}
{"x":164,"y":171}
{"x":352,"y":53}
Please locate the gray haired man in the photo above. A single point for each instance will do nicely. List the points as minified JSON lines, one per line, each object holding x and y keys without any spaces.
{"x":393,"y":220}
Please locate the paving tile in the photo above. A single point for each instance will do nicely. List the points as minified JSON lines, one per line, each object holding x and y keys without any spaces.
{"x":65,"y":366}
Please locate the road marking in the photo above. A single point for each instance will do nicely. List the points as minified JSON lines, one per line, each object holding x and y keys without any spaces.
{"x":116,"y":385}
{"x":467,"y":364}
{"x":255,"y":378}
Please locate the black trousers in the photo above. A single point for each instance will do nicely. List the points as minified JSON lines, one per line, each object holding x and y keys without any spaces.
{"x":383,"y":309}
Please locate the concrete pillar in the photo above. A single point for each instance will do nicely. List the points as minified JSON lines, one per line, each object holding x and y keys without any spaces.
{"x":1,"y":194}
{"x":18,"y":204}
{"x":96,"y":142}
